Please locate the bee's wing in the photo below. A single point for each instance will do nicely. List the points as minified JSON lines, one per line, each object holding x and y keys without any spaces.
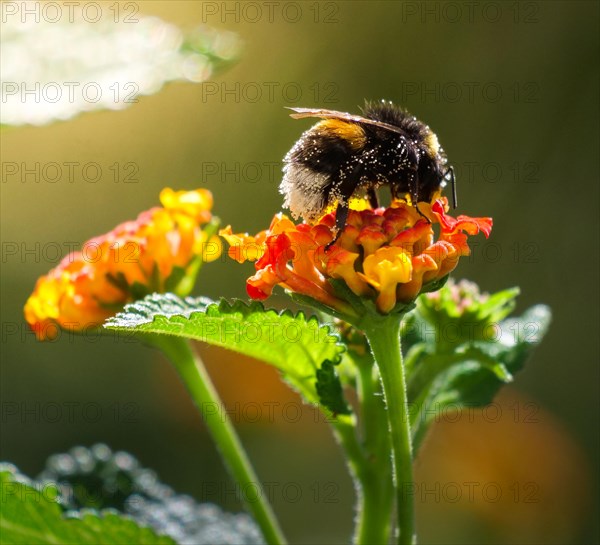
{"x":333,"y":114}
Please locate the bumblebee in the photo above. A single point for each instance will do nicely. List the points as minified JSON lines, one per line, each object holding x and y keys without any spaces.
{"x":347,"y":155}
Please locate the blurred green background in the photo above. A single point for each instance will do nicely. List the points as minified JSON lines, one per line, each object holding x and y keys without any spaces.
{"x":511,"y":89}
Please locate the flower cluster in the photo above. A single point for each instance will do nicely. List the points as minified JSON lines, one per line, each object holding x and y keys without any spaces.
{"x":387,"y":255}
{"x":161,"y":250}
{"x":460,"y":307}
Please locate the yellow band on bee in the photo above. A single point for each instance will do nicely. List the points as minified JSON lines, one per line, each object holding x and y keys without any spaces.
{"x":432,"y":143}
{"x":351,"y":132}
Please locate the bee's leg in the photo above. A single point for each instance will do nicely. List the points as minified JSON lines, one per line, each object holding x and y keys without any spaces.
{"x":341,"y":215}
{"x":414,"y":193}
{"x":412,"y":187}
{"x":373,"y":198}
{"x":421,"y":213}
{"x":414,"y":197}
{"x":412,"y":175}
{"x":347,"y":184}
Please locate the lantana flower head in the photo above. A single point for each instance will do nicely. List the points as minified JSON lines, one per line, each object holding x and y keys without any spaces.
{"x":161,"y":250}
{"x":460,"y":311}
{"x":387,"y":255}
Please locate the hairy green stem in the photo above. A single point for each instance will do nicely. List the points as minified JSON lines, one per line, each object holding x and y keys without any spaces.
{"x":373,"y":512}
{"x":384,"y":339}
{"x":199,"y":385}
{"x":377,"y":498}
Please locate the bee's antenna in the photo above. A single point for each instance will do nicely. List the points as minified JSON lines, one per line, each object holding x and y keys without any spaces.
{"x":453,"y":182}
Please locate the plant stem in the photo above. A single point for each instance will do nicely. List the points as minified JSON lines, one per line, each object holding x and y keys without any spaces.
{"x":376,"y":499}
{"x":198,"y":383}
{"x":384,"y":339}
{"x":373,"y":513}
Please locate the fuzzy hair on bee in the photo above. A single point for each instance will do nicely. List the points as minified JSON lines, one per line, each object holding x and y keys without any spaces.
{"x":346,"y":155}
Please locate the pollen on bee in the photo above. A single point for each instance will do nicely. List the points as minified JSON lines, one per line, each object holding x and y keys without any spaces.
{"x":302,"y":189}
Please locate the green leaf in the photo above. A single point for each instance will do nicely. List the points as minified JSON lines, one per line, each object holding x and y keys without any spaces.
{"x":490,"y":357}
{"x":472,"y":376}
{"x":295,"y":345}
{"x":435,"y":285}
{"x":499,"y":305}
{"x":329,"y":389}
{"x":31,"y":515}
{"x":517,"y":340}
